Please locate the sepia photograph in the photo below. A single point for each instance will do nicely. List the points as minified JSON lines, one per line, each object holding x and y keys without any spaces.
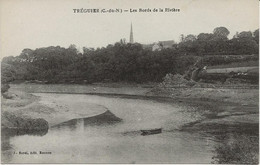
{"x":129,"y":81}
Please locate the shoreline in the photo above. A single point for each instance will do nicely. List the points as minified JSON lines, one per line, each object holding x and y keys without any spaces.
{"x":214,"y":110}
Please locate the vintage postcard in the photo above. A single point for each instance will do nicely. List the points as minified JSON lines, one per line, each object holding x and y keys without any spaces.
{"x":129,"y":81}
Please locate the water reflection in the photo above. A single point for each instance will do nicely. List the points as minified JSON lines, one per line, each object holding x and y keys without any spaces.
{"x":80,"y":140}
{"x":105,"y":118}
{"x":7,"y":134}
{"x":109,"y":138}
{"x":236,"y":144}
{"x":80,"y":125}
{"x":19,"y":132}
{"x":237,"y":149}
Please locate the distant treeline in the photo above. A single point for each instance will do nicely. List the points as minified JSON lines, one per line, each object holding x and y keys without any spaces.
{"x":217,"y":42}
{"x":127,"y":62}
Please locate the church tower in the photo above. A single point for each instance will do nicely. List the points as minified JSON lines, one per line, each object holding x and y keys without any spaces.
{"x":131,"y":35}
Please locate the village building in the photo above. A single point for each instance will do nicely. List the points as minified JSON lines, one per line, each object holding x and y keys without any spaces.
{"x":155,"y":46}
{"x":163,"y":45}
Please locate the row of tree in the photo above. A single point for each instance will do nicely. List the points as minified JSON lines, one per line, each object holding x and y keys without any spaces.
{"x":245,"y":42}
{"x":119,"y":62}
{"x":122,"y":61}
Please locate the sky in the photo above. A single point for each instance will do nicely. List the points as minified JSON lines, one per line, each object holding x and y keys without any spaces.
{"x":42,"y":23}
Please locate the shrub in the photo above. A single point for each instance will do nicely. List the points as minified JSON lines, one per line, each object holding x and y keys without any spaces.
{"x":4,"y":88}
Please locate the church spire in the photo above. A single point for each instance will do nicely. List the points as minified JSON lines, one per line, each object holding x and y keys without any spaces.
{"x":131,"y":35}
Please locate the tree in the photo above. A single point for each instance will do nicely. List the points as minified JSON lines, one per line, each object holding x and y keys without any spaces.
{"x":190,"y":37}
{"x":182,"y":37}
{"x":7,"y":75}
{"x":244,"y":43}
{"x":245,"y":34}
{"x":243,"y":46}
{"x":88,"y":51}
{"x":205,"y":37}
{"x":221,"y":33}
{"x":236,"y":35}
{"x":126,"y":62}
{"x":26,"y":54}
{"x":73,"y":48}
{"x":256,"y":36}
{"x":188,"y":45}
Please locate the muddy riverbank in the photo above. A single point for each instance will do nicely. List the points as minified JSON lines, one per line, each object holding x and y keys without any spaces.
{"x":211,"y":113}
{"x":214,"y":105}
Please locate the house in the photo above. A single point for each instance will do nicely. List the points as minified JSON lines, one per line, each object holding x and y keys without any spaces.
{"x":163,"y":45}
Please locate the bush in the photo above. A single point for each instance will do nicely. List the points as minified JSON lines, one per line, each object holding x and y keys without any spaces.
{"x":4,"y":88}
{"x":175,"y":80}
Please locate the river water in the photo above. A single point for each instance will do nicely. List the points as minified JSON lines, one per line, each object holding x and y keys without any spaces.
{"x":113,"y":142}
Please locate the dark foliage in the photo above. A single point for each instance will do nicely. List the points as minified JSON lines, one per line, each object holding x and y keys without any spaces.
{"x":129,"y":62}
{"x":4,"y":88}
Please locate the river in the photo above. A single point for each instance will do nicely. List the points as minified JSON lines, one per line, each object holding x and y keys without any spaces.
{"x":112,"y":142}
